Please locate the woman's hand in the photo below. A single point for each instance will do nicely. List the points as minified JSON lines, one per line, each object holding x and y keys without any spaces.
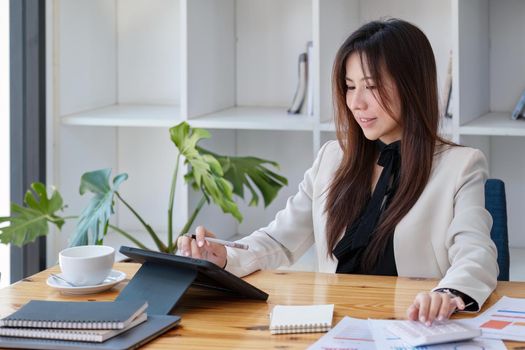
{"x":430,"y":306}
{"x":201,"y":249}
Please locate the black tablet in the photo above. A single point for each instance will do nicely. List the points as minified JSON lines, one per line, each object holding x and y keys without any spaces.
{"x":209,"y":275}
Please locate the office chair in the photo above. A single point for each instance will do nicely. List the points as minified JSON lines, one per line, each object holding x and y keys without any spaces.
{"x":496,"y":204}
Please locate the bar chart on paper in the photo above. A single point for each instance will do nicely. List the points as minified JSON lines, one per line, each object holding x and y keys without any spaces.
{"x":349,"y":334}
{"x":504,"y":320}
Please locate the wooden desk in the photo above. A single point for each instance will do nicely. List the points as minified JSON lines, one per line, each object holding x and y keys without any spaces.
{"x":212,"y":321}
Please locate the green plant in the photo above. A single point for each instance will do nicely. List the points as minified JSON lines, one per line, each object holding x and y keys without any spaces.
{"x":217,"y":177}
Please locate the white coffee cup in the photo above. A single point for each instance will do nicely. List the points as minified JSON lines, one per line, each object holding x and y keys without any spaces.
{"x":86,"y":265}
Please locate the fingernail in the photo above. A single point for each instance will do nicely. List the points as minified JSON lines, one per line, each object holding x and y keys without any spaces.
{"x":186,"y":253}
{"x":200,"y":243}
{"x":440,"y":318}
{"x":422,"y":319}
{"x":428,"y":323}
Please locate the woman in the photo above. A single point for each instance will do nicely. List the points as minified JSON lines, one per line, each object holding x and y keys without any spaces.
{"x":390,"y":197}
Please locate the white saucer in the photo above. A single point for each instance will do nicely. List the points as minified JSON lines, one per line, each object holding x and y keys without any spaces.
{"x":113,"y":279}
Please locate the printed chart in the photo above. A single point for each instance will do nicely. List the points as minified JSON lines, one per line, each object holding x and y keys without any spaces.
{"x":504,"y":320}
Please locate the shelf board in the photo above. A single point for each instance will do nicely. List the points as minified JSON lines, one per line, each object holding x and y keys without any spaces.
{"x":127,"y":115}
{"x":494,"y":124}
{"x":254,"y":118}
{"x":248,"y":118}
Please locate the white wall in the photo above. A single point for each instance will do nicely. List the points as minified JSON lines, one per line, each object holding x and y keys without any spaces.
{"x":4,"y":132}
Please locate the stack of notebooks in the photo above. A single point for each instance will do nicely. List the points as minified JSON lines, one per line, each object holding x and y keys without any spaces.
{"x":42,"y":324}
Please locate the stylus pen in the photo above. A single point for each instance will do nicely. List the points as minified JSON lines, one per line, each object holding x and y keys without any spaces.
{"x":220,"y":241}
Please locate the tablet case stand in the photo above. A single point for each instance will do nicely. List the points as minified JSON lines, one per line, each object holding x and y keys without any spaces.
{"x":160,"y":285}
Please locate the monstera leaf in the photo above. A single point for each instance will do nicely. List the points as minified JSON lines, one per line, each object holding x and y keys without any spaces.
{"x":243,"y":171}
{"x":93,"y":222}
{"x":206,"y":172}
{"x":29,"y":222}
{"x":217,"y":177}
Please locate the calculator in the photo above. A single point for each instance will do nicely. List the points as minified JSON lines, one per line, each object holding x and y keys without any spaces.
{"x":417,"y":334}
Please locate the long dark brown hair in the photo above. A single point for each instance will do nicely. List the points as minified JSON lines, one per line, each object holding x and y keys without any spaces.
{"x":402,"y":51}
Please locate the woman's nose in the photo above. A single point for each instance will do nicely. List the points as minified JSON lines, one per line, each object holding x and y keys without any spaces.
{"x":357,"y":101}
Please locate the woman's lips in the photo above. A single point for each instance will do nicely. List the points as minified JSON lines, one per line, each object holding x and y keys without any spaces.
{"x":366,"y":122}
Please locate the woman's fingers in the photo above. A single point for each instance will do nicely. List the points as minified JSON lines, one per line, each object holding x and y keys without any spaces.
{"x":184,"y":245}
{"x":436,"y":300}
{"x":459,"y":303}
{"x":200,"y":248}
{"x":413,"y":312}
{"x":195,"y":250}
{"x":446,"y":309}
{"x":430,"y":306}
{"x":423,"y":304}
{"x":200,"y":233}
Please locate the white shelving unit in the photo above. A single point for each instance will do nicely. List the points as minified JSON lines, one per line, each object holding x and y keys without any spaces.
{"x":127,"y":115}
{"x":489,"y":77}
{"x":121,"y":72}
{"x":255,"y":118}
{"x":494,"y":124}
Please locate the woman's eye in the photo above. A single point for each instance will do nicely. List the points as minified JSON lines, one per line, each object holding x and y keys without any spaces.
{"x":370,"y":87}
{"x":350,"y":88}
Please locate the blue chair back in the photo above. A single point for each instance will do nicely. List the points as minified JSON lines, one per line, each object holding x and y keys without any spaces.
{"x":496,"y":204}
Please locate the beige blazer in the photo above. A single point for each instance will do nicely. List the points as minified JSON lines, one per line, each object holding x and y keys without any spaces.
{"x":446,"y":234}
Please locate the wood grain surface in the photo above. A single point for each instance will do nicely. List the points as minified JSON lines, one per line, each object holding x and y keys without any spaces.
{"x":212,"y":320}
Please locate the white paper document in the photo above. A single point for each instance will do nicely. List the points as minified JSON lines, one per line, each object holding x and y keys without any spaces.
{"x":503,"y":320}
{"x":356,"y":334}
{"x":349,"y":334}
{"x":388,"y":341}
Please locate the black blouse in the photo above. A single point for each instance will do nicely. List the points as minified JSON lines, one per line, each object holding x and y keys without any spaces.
{"x":349,"y":250}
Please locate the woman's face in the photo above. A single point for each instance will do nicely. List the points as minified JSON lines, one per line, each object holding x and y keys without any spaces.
{"x":362,"y":98}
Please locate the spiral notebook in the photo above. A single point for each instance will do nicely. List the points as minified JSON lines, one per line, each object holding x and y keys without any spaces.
{"x":301,"y":318}
{"x":76,"y":315}
{"x":130,"y":339}
{"x":84,"y":335}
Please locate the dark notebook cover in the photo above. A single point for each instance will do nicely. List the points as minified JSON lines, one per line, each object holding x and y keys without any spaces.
{"x":75,"y":315}
{"x":132,"y":339}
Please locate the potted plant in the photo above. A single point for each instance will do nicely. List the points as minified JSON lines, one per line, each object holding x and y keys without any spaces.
{"x":217,"y":177}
